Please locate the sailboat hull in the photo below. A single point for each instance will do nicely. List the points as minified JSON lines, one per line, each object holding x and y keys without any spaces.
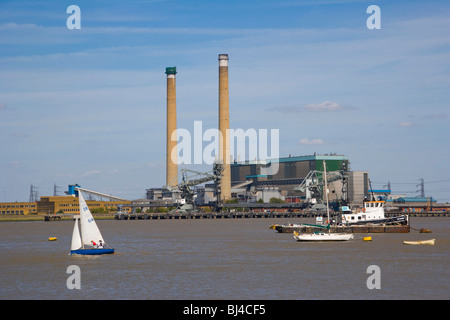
{"x":92,"y":252}
{"x":323,"y":237}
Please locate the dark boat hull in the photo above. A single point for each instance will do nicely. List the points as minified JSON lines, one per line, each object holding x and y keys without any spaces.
{"x":92,"y":252}
{"x":392,"y":220}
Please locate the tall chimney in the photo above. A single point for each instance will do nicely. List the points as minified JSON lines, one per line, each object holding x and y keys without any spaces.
{"x":224,"y":126}
{"x":171,"y":152}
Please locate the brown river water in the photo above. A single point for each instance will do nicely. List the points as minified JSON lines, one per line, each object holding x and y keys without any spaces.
{"x":221,"y":260}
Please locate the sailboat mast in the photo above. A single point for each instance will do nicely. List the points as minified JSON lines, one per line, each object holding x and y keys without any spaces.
{"x":326,"y":189}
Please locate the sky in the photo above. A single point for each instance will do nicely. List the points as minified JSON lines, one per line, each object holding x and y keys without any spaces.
{"x":88,"y":106}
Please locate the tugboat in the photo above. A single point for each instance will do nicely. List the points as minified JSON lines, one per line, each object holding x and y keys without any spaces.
{"x":372,"y":212}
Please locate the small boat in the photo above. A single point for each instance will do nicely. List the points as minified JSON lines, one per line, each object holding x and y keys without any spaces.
{"x":52,"y":238}
{"x":322,"y":236}
{"x":429,"y":242}
{"x":288,"y":228}
{"x":91,"y":241}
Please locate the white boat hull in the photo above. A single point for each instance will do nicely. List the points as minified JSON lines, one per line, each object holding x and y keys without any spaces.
{"x":323,"y":237}
{"x":429,"y":242}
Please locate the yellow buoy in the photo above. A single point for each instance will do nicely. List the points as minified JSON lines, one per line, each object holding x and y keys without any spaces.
{"x":367,"y":239}
{"x":52,"y":238}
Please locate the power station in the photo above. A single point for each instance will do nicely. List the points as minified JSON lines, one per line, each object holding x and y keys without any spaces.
{"x":297,"y":180}
{"x":237,"y":180}
{"x":243,"y":180}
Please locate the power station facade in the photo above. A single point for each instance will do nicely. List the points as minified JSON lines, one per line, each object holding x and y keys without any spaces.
{"x":292,"y":171}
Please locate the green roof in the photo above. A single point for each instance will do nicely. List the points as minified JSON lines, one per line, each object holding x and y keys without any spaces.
{"x":171,"y":70}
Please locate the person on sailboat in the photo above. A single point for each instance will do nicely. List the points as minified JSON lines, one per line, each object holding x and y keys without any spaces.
{"x":94,"y":244}
{"x":100,"y":244}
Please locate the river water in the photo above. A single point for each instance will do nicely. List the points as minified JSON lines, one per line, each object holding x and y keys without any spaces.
{"x":221,"y":259}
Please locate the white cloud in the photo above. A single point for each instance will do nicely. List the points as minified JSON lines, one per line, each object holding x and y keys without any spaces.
{"x":430,"y":116}
{"x":324,"y":106}
{"x":306,"y":141}
{"x":406,"y":124}
{"x":20,"y":134}
{"x":89,"y":173}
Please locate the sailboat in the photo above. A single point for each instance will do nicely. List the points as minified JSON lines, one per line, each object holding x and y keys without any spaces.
{"x":90,"y":242}
{"x":324,"y":236}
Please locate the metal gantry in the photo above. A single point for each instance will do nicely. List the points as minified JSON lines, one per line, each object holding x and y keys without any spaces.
{"x":190,"y":178}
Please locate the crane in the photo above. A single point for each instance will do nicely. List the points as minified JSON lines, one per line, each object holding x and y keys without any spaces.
{"x":313,"y":184}
{"x":190,"y":178}
{"x":103,"y":195}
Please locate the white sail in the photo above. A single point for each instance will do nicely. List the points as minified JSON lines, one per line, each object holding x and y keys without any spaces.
{"x":76,"y":239}
{"x":89,"y":229}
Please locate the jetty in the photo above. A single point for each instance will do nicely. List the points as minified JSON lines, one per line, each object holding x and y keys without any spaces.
{"x":58,"y":217}
{"x":209,"y":215}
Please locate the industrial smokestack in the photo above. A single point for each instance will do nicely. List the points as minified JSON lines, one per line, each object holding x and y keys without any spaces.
{"x":224,"y":126}
{"x":171,"y":152}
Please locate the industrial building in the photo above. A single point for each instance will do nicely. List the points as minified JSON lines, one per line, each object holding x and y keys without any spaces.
{"x":18,"y":208}
{"x":291,"y":170}
{"x":60,"y":204}
{"x":291,"y":173}
{"x":70,"y":205}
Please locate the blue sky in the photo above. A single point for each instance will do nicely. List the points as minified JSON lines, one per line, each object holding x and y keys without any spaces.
{"x":88,"y":106}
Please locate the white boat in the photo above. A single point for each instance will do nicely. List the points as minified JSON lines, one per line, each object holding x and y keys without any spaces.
{"x":91,"y":241}
{"x":372,"y":212}
{"x":419,"y":242}
{"x":323,"y":236}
